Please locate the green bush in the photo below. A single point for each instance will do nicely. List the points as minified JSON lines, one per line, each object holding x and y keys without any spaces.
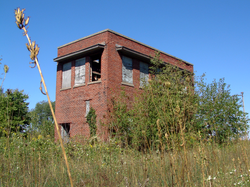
{"x":219,"y":115}
{"x":13,"y":112}
{"x":91,"y":120}
{"x":173,"y":108}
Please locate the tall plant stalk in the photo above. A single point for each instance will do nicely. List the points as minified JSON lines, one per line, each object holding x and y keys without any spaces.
{"x":34,"y":50}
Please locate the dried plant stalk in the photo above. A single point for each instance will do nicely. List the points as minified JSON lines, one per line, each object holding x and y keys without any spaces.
{"x":22,"y":23}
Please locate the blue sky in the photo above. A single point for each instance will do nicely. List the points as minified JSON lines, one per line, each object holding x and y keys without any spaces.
{"x":213,"y":35}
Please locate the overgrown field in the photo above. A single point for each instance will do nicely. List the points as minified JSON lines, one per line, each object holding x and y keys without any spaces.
{"x":177,"y":131}
{"x":39,"y":162}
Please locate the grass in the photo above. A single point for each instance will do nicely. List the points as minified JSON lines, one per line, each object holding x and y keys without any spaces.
{"x":39,"y":162}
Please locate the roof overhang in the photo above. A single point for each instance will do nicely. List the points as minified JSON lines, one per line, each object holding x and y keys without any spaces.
{"x":132,"y":53}
{"x":80,"y":53}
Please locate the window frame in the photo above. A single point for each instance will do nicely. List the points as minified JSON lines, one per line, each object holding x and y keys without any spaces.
{"x":66,"y":75}
{"x":78,"y":71}
{"x":65,"y":132}
{"x":87,"y":109}
{"x":144,"y":76}
{"x":127,"y":70}
{"x":95,"y":73}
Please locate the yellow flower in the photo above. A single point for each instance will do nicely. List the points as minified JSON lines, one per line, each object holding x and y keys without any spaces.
{"x":40,"y":136}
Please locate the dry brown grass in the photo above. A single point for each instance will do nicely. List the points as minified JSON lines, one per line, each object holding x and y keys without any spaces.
{"x":38,"y":162}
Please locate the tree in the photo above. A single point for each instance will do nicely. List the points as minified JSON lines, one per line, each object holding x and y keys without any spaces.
{"x":42,"y":110}
{"x":91,"y":120}
{"x":13,"y":112}
{"x":219,"y":115}
{"x":41,"y":119}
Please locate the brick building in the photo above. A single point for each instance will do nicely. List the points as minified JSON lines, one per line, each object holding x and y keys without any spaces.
{"x":89,"y":69}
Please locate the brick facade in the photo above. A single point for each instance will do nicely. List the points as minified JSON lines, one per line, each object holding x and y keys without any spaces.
{"x":110,"y":47}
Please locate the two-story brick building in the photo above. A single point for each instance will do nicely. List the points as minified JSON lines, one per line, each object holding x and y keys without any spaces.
{"x":90,"y":68}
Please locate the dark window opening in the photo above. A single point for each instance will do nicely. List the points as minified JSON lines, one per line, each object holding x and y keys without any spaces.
{"x":95,"y":66}
{"x":65,"y":129}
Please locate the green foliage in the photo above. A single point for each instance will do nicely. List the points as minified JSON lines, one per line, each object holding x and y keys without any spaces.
{"x":121,"y":119}
{"x":172,"y":111}
{"x":41,"y":119}
{"x":42,"y":110}
{"x":91,"y":120}
{"x":13,"y":112}
{"x":219,"y":115}
{"x":168,"y":98}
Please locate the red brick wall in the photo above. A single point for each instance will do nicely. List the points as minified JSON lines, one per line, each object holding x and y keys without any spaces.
{"x":70,"y":103}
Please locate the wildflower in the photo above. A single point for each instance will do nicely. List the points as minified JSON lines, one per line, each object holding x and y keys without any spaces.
{"x":40,"y":136}
{"x":209,"y":178}
{"x":167,"y":84}
{"x":166,"y":135}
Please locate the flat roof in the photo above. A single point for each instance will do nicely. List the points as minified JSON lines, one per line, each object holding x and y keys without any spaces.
{"x":108,"y":30}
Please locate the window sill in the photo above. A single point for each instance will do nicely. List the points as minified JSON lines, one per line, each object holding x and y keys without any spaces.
{"x":79,"y":85}
{"x":127,"y":84}
{"x":142,"y":87}
{"x":62,"y":89}
{"x":94,"y":82}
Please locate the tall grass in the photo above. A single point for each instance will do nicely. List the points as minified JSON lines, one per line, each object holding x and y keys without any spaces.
{"x":37,"y":161}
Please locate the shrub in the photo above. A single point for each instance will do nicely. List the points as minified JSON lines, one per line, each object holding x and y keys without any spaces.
{"x":91,"y":120}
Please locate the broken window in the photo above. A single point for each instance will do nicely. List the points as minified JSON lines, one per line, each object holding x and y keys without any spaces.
{"x":143,"y":73}
{"x":95,"y":68}
{"x":87,"y":107}
{"x":65,"y":128}
{"x":66,"y":75}
{"x":127,"y":70}
{"x":80,"y":71}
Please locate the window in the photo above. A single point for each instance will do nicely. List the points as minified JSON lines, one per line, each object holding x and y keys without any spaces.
{"x":127,"y":70}
{"x":87,"y":108}
{"x":80,"y":71}
{"x":95,"y":66}
{"x":143,"y":73}
{"x":66,"y":75}
{"x":65,"y":128}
